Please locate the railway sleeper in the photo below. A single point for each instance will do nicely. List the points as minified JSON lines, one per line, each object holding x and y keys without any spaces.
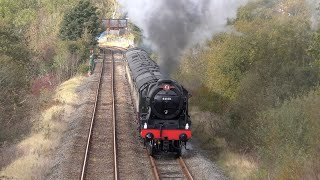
{"x":155,"y":146}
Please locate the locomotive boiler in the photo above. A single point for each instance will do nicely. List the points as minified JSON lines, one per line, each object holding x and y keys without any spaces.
{"x":161,"y":104}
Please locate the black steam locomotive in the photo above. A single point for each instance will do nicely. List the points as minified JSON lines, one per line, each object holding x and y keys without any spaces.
{"x":161,"y":104}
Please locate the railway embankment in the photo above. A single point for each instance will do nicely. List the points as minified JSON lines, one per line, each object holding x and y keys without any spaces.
{"x":35,"y":157}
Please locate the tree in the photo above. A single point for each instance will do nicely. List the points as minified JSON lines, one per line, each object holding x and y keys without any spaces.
{"x":14,"y":79}
{"x":80,"y":20}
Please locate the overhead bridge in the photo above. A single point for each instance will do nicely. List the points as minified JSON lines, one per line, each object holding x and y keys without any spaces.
{"x":115,"y":24}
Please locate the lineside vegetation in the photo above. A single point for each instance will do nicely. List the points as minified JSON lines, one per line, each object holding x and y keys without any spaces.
{"x":43,"y":43}
{"x":261,"y":83}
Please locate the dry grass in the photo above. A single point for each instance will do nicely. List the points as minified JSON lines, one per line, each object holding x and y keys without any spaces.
{"x":235,"y":165}
{"x":124,"y":44}
{"x":35,"y":160}
{"x":120,"y":41}
{"x":66,"y":91}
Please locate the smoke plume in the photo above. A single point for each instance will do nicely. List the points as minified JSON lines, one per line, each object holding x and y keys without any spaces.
{"x":172,"y":26}
{"x":314,"y":6}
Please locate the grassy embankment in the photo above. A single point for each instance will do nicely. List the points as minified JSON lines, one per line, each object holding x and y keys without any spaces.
{"x":36,"y":58}
{"x":34,"y":158}
{"x":43,"y":44}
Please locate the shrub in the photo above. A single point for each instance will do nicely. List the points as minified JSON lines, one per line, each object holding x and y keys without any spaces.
{"x":261,"y":68}
{"x":80,"y":20}
{"x":206,"y":100}
{"x":14,"y":83}
{"x":70,"y":54}
{"x":83,"y":68}
{"x":289,"y":137}
{"x":258,"y":80}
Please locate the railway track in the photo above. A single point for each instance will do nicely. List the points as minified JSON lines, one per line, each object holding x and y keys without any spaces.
{"x":102,"y":136}
{"x":102,"y":132}
{"x":169,"y":168}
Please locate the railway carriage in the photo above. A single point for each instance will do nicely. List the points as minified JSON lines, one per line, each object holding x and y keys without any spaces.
{"x":161,"y":104}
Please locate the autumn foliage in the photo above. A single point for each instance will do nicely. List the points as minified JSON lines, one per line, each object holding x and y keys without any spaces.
{"x":262,"y":80}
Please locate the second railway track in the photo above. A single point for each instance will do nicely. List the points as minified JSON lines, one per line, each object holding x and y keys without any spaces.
{"x":98,"y":162}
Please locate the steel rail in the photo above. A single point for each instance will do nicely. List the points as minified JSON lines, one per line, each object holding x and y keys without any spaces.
{"x":84,"y":164}
{"x":154,"y":168}
{"x":182,"y":164}
{"x":114,"y":121}
{"x":93,"y":117}
{"x":185,"y":168}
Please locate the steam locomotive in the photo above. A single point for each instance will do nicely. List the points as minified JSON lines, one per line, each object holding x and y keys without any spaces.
{"x":161,"y":105}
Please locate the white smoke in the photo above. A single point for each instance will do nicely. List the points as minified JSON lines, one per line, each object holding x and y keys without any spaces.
{"x":314,"y":6}
{"x":172,"y":26}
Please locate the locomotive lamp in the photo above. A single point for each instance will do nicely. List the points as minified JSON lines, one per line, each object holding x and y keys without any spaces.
{"x":149,"y":136}
{"x":187,"y":126}
{"x":183,"y":137}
